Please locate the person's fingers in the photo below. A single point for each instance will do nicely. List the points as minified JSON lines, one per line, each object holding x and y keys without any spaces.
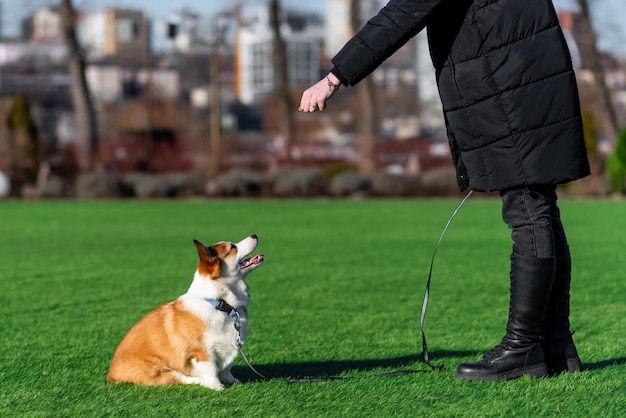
{"x":312,"y":104}
{"x":305,"y":101}
{"x":307,"y":106}
{"x":314,"y":98}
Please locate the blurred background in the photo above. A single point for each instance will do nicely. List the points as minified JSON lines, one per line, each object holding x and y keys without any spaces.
{"x":161,"y":98}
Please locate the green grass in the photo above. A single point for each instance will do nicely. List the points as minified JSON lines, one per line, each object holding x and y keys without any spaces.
{"x":339,"y":295}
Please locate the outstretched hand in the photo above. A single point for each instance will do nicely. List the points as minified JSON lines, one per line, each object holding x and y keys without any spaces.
{"x":315,"y":97}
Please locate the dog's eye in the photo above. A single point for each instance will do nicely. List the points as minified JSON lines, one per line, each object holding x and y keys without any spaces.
{"x":233,"y":247}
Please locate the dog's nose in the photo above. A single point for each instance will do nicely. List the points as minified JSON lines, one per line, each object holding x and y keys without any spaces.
{"x":254,"y":236}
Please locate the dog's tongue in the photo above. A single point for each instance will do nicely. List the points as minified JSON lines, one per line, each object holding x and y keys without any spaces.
{"x":251,"y":261}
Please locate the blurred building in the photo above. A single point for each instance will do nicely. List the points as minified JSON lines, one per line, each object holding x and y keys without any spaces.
{"x":302,"y":33}
{"x":25,"y":53}
{"x":118,"y":35}
{"x":183,"y":29}
{"x":338,"y":28}
{"x":43,"y":25}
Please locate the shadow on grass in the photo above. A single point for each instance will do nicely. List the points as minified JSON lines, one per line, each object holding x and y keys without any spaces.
{"x":317,"y":371}
{"x":331,"y":369}
{"x":604,"y":364}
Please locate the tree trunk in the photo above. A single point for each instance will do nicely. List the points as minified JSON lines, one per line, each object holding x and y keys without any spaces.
{"x":589,"y":43}
{"x":369,"y":120}
{"x":84,"y":113}
{"x":216,"y":112}
{"x":287,"y":126}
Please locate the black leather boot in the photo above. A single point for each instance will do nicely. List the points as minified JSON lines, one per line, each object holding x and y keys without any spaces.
{"x":558,"y":346}
{"x":560,"y":354}
{"x":520,"y":351}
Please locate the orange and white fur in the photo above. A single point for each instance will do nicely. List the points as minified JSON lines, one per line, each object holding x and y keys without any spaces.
{"x":190,"y":340}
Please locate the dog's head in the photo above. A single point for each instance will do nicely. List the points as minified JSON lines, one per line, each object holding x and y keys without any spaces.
{"x":224,"y":260}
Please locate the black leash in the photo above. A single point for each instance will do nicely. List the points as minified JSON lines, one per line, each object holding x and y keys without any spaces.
{"x":243,"y":355}
{"x":223,"y":306}
{"x":233,"y":313}
{"x":426,"y":357}
{"x":333,"y":378}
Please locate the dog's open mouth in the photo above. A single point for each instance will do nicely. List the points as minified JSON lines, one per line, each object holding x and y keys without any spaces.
{"x":257,"y":259}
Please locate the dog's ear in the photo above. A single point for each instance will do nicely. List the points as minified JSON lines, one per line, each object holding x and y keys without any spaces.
{"x":208,"y":263}
{"x":205,"y":252}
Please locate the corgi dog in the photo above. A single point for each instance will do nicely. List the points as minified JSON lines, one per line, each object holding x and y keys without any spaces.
{"x":195,"y":338}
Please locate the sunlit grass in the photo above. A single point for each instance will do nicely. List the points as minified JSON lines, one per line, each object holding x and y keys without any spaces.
{"x":339,"y":295}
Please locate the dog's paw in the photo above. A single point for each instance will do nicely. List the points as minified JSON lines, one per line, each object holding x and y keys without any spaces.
{"x":218,"y":386}
{"x":212,"y":383}
{"x":188,"y":380}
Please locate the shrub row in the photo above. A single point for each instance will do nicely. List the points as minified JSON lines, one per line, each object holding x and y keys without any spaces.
{"x":286,"y":182}
{"x":303,"y":182}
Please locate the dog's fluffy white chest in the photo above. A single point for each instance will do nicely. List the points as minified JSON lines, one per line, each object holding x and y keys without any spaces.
{"x":221,"y":334}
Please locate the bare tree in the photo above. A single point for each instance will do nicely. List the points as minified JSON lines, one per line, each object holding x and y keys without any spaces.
{"x":287,"y":125}
{"x":215,"y":92}
{"x":86,"y":122}
{"x":589,"y":43}
{"x":369,"y":120}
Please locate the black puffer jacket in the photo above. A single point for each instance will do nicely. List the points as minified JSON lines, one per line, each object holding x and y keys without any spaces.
{"x":505,"y":79}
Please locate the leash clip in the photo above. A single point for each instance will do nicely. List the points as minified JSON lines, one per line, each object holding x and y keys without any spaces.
{"x":236,"y":319}
{"x":236,"y":324}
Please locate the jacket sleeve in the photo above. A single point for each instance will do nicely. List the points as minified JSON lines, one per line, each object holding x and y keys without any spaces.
{"x":380,"y":37}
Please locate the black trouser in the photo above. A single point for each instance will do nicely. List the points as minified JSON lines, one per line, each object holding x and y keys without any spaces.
{"x":534,"y":218}
{"x":535,"y":221}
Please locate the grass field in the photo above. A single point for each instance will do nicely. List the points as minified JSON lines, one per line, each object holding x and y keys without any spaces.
{"x":339,"y":295}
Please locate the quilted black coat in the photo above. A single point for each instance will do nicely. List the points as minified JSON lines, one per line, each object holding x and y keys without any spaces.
{"x":505,"y":79}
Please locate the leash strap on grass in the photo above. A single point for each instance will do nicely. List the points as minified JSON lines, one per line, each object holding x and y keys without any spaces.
{"x":331,"y":378}
{"x":243,"y":355}
{"x":430,"y":273}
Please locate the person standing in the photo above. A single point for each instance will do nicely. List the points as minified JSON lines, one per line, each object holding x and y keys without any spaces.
{"x":513,"y":120}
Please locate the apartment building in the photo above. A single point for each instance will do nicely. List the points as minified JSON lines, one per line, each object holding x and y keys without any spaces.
{"x":302,"y":33}
{"x":338,"y":28}
{"x":116,"y":34}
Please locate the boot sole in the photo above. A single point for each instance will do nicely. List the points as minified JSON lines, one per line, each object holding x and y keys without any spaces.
{"x":536,"y":371}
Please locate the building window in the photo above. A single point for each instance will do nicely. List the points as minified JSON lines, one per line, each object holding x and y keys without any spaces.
{"x":126,"y":30}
